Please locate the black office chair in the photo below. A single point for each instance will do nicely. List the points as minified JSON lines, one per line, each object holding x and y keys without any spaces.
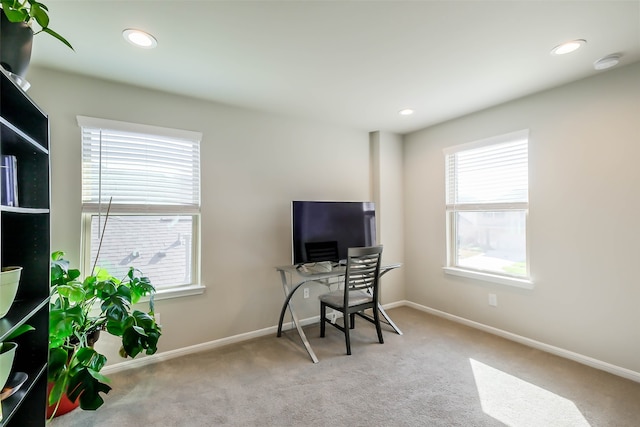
{"x":322,"y":251}
{"x":360,"y":292}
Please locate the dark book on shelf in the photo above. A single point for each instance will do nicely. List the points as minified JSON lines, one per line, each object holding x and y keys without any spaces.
{"x":9,"y":189}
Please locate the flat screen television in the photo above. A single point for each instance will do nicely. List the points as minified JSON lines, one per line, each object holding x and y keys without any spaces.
{"x":323,"y":231}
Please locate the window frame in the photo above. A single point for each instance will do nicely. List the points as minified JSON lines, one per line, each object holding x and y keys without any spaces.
{"x":90,"y":210}
{"x":451,"y":210}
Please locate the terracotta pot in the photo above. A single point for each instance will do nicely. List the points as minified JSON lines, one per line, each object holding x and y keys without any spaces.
{"x":65,"y":406}
{"x":16,"y":39}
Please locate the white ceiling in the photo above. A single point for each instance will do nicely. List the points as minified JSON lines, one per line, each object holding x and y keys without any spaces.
{"x":352,"y":63}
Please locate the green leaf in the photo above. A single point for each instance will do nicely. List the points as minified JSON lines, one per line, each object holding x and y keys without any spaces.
{"x":73,"y":291}
{"x":143,"y":318}
{"x":57,"y":275}
{"x":140,"y":330}
{"x":39,"y":14}
{"x":14,"y":15}
{"x":140,"y":285}
{"x":58,"y":390}
{"x":73,"y":274}
{"x":142,"y":335}
{"x":90,"y":283}
{"x":89,"y":358}
{"x":41,"y":4}
{"x":19,"y":331}
{"x":116,"y":307}
{"x":102,"y":274}
{"x":85,"y":386}
{"x":63,"y":323}
{"x":58,"y":358}
{"x":85,"y":380}
{"x":115,"y":328}
{"x":98,"y":376}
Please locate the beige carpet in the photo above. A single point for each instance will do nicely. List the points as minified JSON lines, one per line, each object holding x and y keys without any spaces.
{"x":438,"y":373}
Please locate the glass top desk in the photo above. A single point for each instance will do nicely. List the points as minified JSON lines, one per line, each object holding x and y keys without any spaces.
{"x":290,"y":272}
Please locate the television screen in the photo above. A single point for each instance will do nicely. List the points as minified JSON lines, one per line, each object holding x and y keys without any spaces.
{"x":323,"y":231}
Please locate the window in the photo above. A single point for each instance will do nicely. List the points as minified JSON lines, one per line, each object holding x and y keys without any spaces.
{"x":141,"y":202}
{"x":487,"y":201}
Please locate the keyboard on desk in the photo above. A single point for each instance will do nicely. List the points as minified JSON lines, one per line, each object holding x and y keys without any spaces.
{"x":319,"y":267}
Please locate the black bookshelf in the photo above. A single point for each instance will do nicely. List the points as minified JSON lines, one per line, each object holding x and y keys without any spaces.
{"x":25,"y":241}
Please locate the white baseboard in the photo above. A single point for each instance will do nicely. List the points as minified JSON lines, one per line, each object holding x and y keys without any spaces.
{"x":171,"y":354}
{"x":580,"y":358}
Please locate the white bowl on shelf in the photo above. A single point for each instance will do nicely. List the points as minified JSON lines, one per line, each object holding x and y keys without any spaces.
{"x":9,"y":280}
{"x":7,"y":353}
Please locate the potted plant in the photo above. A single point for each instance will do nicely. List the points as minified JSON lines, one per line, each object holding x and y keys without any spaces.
{"x":19,"y":22}
{"x":28,"y":11}
{"x":79,"y":310}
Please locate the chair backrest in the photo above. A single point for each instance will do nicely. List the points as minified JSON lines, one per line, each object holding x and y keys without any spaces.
{"x":321,"y":251}
{"x":363,"y":270}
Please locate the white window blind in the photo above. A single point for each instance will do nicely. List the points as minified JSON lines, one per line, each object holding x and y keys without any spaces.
{"x":139,"y":166}
{"x":480,"y":174}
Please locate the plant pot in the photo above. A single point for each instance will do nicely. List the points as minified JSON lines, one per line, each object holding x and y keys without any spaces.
{"x":16,"y":39}
{"x":64,"y":407}
{"x":7,"y":353}
{"x":9,"y":280}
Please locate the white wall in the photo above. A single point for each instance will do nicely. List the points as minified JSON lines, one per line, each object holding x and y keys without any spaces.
{"x":584,"y":219}
{"x":253,"y":165}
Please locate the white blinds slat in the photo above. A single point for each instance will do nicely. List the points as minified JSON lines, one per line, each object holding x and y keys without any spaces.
{"x":139,"y":169}
{"x":488,"y":174}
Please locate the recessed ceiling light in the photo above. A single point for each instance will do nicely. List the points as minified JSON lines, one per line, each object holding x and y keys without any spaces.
{"x":140,"y":38}
{"x":568,"y":47}
{"x":607,"y":62}
{"x":406,"y":112}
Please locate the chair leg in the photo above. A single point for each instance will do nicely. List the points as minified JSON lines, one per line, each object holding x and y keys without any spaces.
{"x":323,"y":309}
{"x":353,"y":320}
{"x":346,"y":318}
{"x":376,"y":318}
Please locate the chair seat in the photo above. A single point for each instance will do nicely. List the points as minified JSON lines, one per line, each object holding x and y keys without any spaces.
{"x":336,"y":298}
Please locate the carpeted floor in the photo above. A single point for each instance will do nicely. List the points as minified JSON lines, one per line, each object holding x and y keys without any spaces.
{"x":438,"y":373}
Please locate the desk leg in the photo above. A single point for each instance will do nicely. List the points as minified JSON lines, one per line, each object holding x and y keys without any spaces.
{"x":384,"y":313}
{"x":287,"y":303}
{"x":388,"y":319}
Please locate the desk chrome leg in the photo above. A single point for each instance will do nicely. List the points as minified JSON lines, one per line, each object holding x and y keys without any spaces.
{"x":388,"y":319}
{"x":294,"y":317}
{"x":303,"y":336}
{"x":384,"y":313}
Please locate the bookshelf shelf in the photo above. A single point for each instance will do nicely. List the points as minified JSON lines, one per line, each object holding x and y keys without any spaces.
{"x":10,"y":133}
{"x":21,"y":210}
{"x":25,"y":241}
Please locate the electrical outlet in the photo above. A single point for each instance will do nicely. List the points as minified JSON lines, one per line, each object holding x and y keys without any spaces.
{"x":306,"y":292}
{"x":333,"y":316}
{"x":493,"y":300}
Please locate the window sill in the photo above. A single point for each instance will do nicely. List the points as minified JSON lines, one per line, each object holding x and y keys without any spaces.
{"x":524,"y":283}
{"x":177,"y":292}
